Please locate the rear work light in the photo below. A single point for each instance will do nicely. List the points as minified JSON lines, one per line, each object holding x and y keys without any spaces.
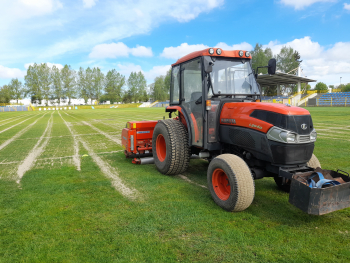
{"x":240,"y":53}
{"x":218,"y":51}
{"x":211,"y":51}
{"x":247,"y":54}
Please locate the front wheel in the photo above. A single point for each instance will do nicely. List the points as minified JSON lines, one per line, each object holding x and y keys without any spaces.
{"x":230,"y":182}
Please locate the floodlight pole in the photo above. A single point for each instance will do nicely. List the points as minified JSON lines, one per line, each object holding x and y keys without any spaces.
{"x":340,"y":81}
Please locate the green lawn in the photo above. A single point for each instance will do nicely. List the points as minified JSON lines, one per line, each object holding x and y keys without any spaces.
{"x":60,"y":214}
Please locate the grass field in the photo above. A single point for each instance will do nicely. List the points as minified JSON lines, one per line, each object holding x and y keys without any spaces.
{"x":68,"y":194}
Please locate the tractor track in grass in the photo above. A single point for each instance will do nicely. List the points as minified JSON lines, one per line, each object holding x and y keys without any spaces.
{"x":112,"y":138}
{"x":109,"y":171}
{"x":20,"y":133}
{"x":35,"y":152}
{"x":16,"y":124}
{"x":185,"y":178}
{"x":76,"y":158}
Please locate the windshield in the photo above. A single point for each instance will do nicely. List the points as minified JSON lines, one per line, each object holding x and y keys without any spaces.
{"x":233,"y":76}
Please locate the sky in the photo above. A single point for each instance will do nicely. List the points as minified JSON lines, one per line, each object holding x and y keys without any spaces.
{"x":150,"y":35}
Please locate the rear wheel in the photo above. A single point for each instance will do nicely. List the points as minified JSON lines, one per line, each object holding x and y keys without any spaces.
{"x":230,"y":182}
{"x":170,"y":148}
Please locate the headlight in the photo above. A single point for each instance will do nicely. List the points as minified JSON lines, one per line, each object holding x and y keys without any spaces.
{"x":313,"y":135}
{"x":247,"y":54}
{"x":280,"y":135}
{"x":291,"y":138}
{"x":211,"y":51}
{"x":218,"y":51}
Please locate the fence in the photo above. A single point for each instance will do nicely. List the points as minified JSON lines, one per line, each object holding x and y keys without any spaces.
{"x":9,"y":108}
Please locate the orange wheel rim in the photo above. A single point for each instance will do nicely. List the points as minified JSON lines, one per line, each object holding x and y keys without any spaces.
{"x":221,"y":184}
{"x":161,"y":147}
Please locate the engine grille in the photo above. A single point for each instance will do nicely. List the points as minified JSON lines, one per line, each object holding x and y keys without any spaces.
{"x":304,"y":138}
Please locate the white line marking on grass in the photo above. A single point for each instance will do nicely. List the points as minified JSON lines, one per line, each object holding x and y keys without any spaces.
{"x":76,"y":158}
{"x":190,"y":181}
{"x":35,"y":152}
{"x":16,"y":124}
{"x":18,"y":134}
{"x":110,"y":172}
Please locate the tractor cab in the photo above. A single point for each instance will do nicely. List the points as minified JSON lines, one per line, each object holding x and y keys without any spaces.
{"x":201,"y":81}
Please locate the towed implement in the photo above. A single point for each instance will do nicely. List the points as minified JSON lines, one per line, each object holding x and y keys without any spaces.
{"x":219,"y":117}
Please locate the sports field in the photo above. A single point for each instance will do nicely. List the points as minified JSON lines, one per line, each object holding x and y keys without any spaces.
{"x":68,"y":194}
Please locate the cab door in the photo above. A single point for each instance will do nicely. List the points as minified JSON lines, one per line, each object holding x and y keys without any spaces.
{"x":191,"y":87}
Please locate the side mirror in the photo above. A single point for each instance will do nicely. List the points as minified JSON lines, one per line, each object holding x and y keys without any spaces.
{"x":208,"y":65}
{"x":272,"y":66}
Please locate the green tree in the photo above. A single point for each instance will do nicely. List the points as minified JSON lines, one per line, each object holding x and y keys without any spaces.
{"x":158,"y":91}
{"x":45,"y":81}
{"x":261,"y":57}
{"x":57,"y":85}
{"x":320,"y":86}
{"x":97,"y":83}
{"x":113,"y":86}
{"x":32,"y":82}
{"x":17,"y":89}
{"x":81,"y":85}
{"x":137,"y":86}
{"x":68,"y":81}
{"x":5,"y":94}
{"x":89,"y":85}
{"x":288,"y":59}
{"x":346,"y":88}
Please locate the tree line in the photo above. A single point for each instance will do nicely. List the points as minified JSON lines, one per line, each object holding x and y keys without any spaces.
{"x":57,"y":85}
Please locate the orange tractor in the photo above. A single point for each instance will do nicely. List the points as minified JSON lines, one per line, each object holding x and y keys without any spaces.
{"x":215,"y":97}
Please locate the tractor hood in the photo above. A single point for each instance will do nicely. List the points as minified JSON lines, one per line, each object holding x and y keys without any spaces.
{"x":262,"y":116}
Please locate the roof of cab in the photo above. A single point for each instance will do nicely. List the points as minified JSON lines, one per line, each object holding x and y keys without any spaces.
{"x":205,"y":52}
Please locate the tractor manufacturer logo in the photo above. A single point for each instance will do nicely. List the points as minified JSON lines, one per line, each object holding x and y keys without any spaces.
{"x":231,"y":121}
{"x":304,"y":126}
{"x":255,"y":126}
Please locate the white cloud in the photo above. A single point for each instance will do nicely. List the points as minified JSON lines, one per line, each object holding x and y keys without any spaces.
{"x":123,"y":20}
{"x":141,"y":51}
{"x":28,"y":8}
{"x":119,"y":49}
{"x":300,"y":4}
{"x":241,"y":46}
{"x":89,"y":3}
{"x":50,"y":65}
{"x":9,"y":73}
{"x":347,"y":6}
{"x":182,"y":50}
{"x":185,"y":49}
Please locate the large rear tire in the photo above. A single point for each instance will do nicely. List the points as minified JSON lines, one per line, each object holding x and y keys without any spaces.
{"x":314,"y":162}
{"x":230,"y":182}
{"x":170,"y":148}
